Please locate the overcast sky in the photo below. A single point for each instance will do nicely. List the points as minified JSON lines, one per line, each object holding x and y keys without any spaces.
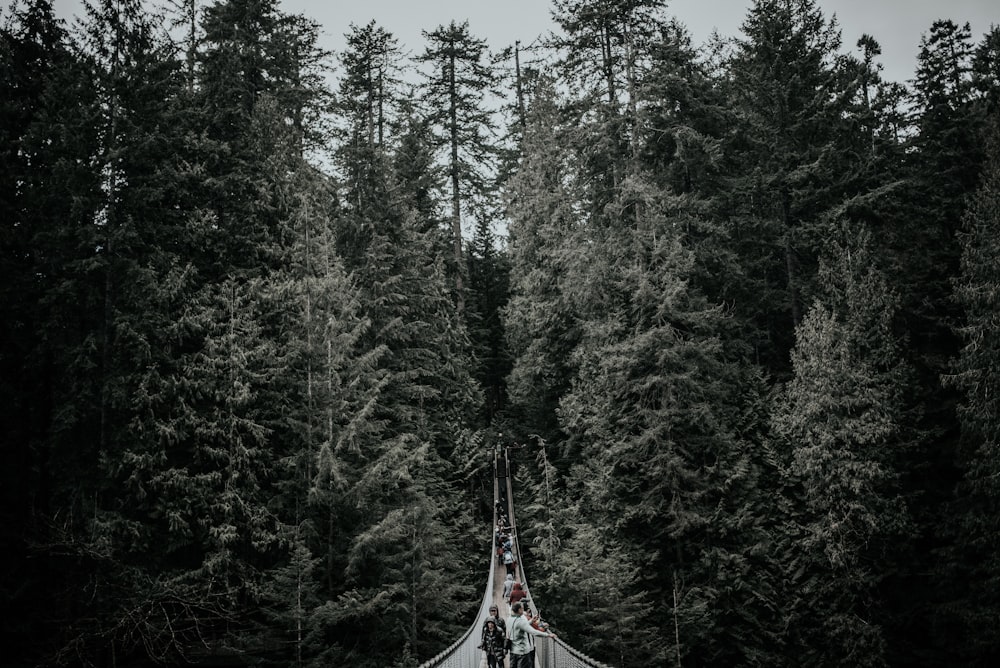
{"x":896,"y":24}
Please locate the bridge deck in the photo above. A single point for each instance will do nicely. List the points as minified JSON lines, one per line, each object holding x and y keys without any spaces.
{"x":499,"y":573}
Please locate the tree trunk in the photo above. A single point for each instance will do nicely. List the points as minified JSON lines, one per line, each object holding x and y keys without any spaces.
{"x":791,"y":274}
{"x":677,"y":627}
{"x":520,"y":89}
{"x":456,"y":204}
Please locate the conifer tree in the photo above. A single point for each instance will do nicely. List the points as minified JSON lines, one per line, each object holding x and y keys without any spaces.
{"x":290,"y":598}
{"x":685,"y":121}
{"x":184,"y":14}
{"x":604,"y":55}
{"x":399,"y":484}
{"x":135,"y":77}
{"x":419,"y":175}
{"x":583,"y":579}
{"x":189,"y":474}
{"x":986,"y":74}
{"x":453,"y":95}
{"x":252,"y":53}
{"x":119,"y":252}
{"x":841,"y":420}
{"x":48,"y":194}
{"x":950,"y":122}
{"x":652,"y":408}
{"x":397,"y":538}
{"x":973,"y":584}
{"x":947,"y":143}
{"x":489,"y":276}
{"x":538,"y":320}
{"x":320,"y":406}
{"x":370,"y":86}
{"x":365,"y":104}
{"x":789,"y":166}
{"x":36,"y":62}
{"x":688,"y":111}
{"x":942,"y":164}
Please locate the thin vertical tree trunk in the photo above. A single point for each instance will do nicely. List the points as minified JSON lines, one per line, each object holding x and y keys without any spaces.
{"x":298,"y":618}
{"x":869,"y":111}
{"x":791,"y":273}
{"x":370,"y":104}
{"x":192,"y":45}
{"x":677,"y":627}
{"x":381,"y":99}
{"x":607,"y":58}
{"x":329,"y":439}
{"x":609,"y":71}
{"x":520,"y":90}
{"x":630,"y":84}
{"x":111,"y":220}
{"x":456,"y":202}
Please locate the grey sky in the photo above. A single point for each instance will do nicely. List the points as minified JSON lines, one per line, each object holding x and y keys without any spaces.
{"x":896,"y":24}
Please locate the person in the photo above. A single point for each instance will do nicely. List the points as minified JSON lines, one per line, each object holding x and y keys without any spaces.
{"x":499,"y":543}
{"x":493,"y":644}
{"x":508,"y":587}
{"x":516,"y":593}
{"x":496,"y":619}
{"x":536,"y":619}
{"x":536,"y":622}
{"x":508,"y":560}
{"x":522,"y":645}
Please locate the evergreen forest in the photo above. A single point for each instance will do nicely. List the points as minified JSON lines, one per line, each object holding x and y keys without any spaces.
{"x":266,"y":310}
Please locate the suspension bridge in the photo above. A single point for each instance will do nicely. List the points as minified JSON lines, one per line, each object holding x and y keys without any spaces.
{"x":465,"y":652}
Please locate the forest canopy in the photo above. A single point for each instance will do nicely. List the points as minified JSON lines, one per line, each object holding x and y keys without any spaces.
{"x":266,"y":309}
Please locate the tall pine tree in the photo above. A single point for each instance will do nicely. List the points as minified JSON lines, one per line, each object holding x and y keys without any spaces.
{"x":840,"y":421}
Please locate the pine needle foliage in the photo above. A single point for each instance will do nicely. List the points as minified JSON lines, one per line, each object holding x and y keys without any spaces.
{"x":840,"y":420}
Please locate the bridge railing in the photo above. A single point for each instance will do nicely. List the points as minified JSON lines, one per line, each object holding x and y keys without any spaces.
{"x":465,"y":652}
{"x":554,"y":653}
{"x":549,"y":652}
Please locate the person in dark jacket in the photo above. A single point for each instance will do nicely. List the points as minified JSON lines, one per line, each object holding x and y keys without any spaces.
{"x":493,"y":644}
{"x":496,"y":619}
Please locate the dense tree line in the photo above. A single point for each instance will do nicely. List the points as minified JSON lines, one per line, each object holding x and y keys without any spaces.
{"x":737,"y":302}
{"x":750,"y":343}
{"x":235,"y":385}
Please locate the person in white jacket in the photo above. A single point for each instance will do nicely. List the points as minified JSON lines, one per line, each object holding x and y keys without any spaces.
{"x":521,"y":642}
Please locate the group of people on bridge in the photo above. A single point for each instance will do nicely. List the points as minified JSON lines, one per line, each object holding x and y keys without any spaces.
{"x":505,"y":545}
{"x":516,"y":635}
